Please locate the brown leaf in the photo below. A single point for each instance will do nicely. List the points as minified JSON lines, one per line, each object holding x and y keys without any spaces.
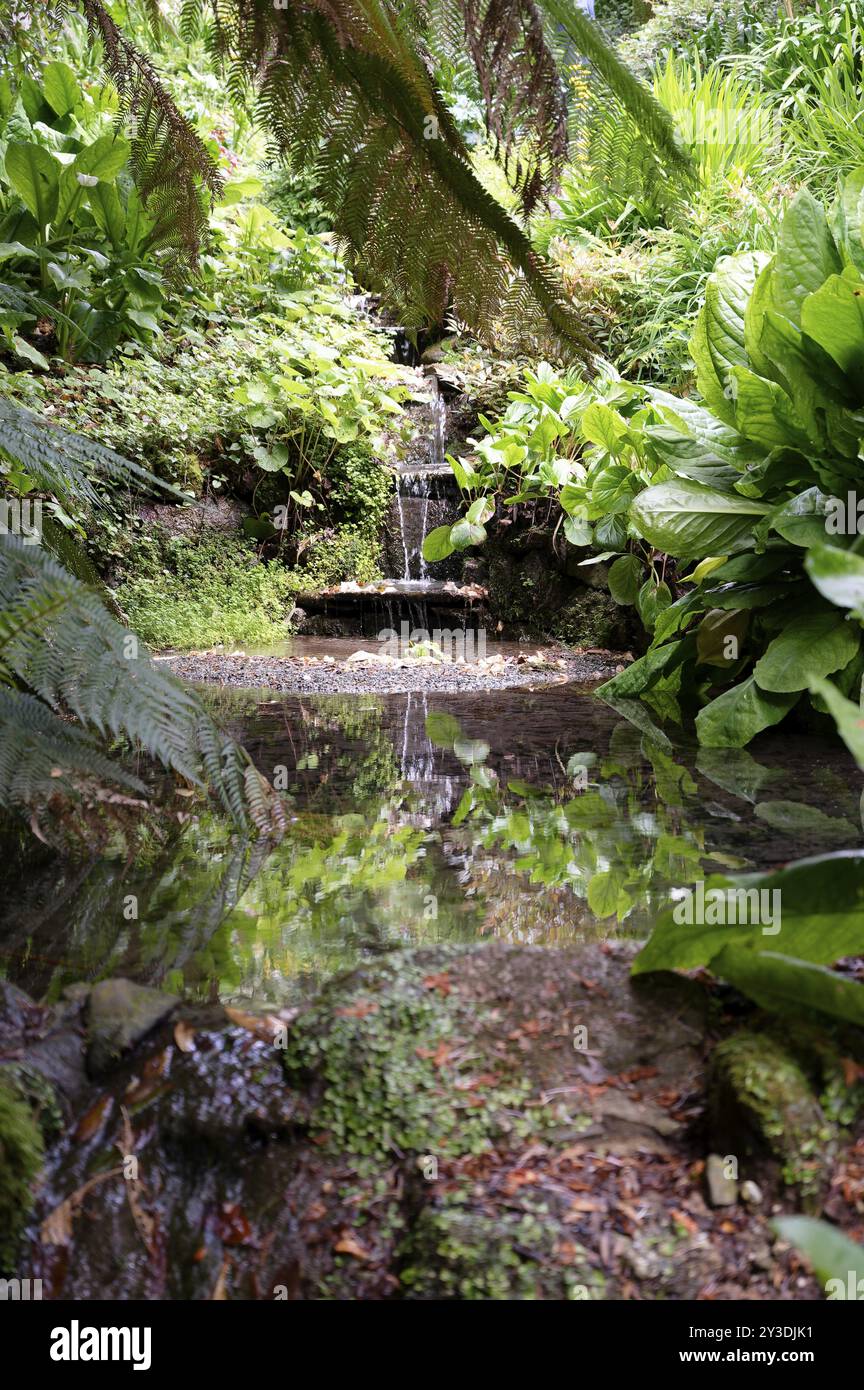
{"x":93,"y":1119}
{"x":266,"y":1027}
{"x":358,"y":1010}
{"x":219,"y":1294}
{"x":184,"y":1036}
{"x":232,"y":1225}
{"x":440,"y":982}
{"x":348,"y":1244}
{"x":56,"y":1229}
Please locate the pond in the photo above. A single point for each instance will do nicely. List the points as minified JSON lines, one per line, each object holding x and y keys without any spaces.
{"x":539,"y":817}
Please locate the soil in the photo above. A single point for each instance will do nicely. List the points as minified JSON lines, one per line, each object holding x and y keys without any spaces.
{"x":434,"y":1125}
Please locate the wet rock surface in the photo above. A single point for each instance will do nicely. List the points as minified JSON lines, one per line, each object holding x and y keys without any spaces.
{"x":475,"y":1122}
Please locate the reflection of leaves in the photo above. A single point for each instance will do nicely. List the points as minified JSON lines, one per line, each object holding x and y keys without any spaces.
{"x":794,"y":818}
{"x":471,"y":751}
{"x":735,"y":770}
{"x":442,"y":729}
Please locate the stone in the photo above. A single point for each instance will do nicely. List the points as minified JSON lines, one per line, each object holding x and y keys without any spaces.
{"x":722,"y":1190}
{"x":120,"y":1014}
{"x":762,"y":1103}
{"x":751,"y":1192}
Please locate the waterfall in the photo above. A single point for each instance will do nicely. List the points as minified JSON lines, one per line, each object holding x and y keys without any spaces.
{"x":415,"y":488}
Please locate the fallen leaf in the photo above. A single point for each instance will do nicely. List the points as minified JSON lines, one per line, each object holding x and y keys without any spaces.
{"x":440,"y":982}
{"x":184,"y":1036}
{"x":347,"y":1244}
{"x":91,"y":1122}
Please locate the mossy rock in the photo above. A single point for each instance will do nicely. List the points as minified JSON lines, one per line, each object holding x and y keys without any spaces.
{"x":21,"y":1156}
{"x":454,"y":1252}
{"x":762,"y":1104}
{"x":120,"y":1013}
{"x":592,"y":618}
{"x":372,"y":1052}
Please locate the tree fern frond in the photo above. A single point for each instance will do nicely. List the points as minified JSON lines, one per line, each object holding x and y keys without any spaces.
{"x":60,"y":461}
{"x":71,"y":657}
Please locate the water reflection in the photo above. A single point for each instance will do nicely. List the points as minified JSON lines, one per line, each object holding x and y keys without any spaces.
{"x":539,"y":817}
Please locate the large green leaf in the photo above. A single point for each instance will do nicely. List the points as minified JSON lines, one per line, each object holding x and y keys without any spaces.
{"x":838,"y":575}
{"x":61,"y":87}
{"x":848,"y":717}
{"x":625,"y":578}
{"x":35,"y":177}
{"x":691,"y":521}
{"x":814,"y":644}
{"x":821,"y":917}
{"x":765,"y":413}
{"x":717,"y":344}
{"x":438,"y":545}
{"x":806,"y":255}
{"x":739,"y":714}
{"x":832,"y":1254}
{"x":801,"y":519}
{"x":784,"y":985}
{"x":641,"y":675}
{"x":834,"y":318}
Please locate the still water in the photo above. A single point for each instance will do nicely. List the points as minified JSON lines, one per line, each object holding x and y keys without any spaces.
{"x":537,"y":817}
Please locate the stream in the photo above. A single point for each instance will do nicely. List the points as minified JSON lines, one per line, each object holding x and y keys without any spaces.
{"x":419,"y":819}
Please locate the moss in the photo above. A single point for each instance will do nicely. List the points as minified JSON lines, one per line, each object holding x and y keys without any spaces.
{"x":195,"y":591}
{"x":387,"y":1067}
{"x":345,"y":552}
{"x":359,"y":490}
{"x":21,"y":1154}
{"x":762,"y":1100}
{"x":591,"y":619}
{"x":453,"y":1252}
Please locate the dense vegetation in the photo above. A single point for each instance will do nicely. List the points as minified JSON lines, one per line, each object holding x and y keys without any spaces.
{"x":640,"y":247}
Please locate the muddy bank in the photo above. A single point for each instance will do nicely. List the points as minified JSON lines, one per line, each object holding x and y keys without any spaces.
{"x":303,"y":675}
{"x":471,"y":1122}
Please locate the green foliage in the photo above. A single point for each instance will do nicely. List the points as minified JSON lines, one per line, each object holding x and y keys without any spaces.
{"x":810,"y":64}
{"x":778,"y":347}
{"x":73,"y":229}
{"x":614,"y":182}
{"x":832,"y":1254}
{"x":184,"y":592}
{"x":707,"y":29}
{"x":21,"y":1153}
{"x":588,"y":448}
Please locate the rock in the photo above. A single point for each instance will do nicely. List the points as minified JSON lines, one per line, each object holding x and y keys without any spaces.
{"x":751,"y":1192}
{"x":120,"y":1013}
{"x":761,"y":1103}
{"x":21,"y":1154}
{"x":722,"y":1190}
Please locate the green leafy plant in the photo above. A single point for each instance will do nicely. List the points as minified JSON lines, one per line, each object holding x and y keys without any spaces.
{"x":77,"y":688}
{"x":584,"y":448}
{"x":777,"y":349}
{"x":73,"y":230}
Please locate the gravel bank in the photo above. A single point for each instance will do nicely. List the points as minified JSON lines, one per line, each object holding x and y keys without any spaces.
{"x":308,"y":675}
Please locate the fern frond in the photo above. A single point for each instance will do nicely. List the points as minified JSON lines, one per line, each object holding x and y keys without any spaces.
{"x":61,"y":648}
{"x":62,"y":462}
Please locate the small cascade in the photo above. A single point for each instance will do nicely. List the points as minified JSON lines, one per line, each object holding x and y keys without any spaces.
{"x":426,"y":496}
{"x":424,"y":598}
